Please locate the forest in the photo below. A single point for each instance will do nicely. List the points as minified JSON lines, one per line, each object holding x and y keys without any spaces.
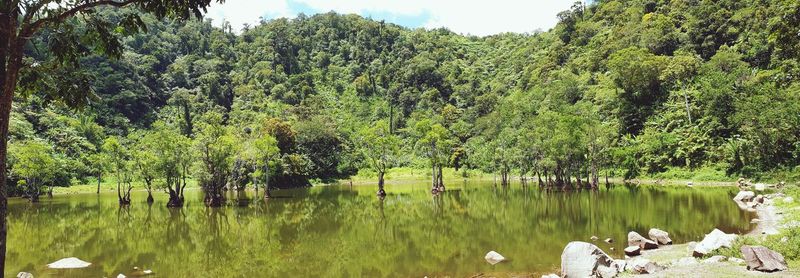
{"x":621,"y":89}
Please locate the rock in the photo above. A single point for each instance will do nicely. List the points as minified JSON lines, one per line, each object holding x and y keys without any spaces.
{"x":759,"y":199}
{"x":71,"y":262}
{"x":551,"y":275}
{"x":754,"y":220}
{"x":609,"y":240}
{"x":635,"y":239}
{"x":121,"y":275}
{"x":583,"y":259}
{"x":687,"y":261}
{"x":689,"y":184}
{"x":633,"y":251}
{"x":715,"y":259}
{"x":147,"y":272}
{"x":788,"y":200}
{"x":736,"y":261}
{"x":760,"y":187}
{"x":593,"y":238}
{"x":762,"y":259}
{"x":713,"y":241}
{"x":24,"y":275}
{"x":494,"y":258}
{"x":659,"y":236}
{"x":642,"y":266}
{"x":744,"y":196}
{"x":784,"y":239}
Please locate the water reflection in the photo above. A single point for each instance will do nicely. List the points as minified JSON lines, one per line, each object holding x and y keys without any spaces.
{"x":344,"y":231}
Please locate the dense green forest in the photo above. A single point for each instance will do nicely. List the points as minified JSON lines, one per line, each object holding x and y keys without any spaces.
{"x":620,"y":88}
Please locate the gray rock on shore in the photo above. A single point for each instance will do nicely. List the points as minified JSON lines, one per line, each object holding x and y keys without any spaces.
{"x":633,"y":251}
{"x":635,"y":239}
{"x":642,"y":266}
{"x":713,"y":241}
{"x":659,"y":236}
{"x":24,"y":275}
{"x":744,"y":196}
{"x":583,"y":259}
{"x":762,"y":259}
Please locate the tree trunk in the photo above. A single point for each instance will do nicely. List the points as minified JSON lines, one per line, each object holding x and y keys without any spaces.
{"x":267,"y":193}
{"x":686,"y":100}
{"x":99,"y":176}
{"x":433,"y":177}
{"x":10,"y":64}
{"x":441,"y":180}
{"x":381,"y":193}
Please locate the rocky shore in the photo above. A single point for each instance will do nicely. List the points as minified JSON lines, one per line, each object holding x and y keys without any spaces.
{"x":656,"y":256}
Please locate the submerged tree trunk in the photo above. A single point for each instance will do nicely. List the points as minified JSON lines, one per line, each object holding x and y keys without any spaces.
{"x":267,"y":193}
{"x":381,"y":193}
{"x":441,"y":180}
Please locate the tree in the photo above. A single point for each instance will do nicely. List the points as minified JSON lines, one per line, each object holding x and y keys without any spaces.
{"x":22,"y":20}
{"x":216,"y":148}
{"x":33,"y":162}
{"x":174,"y":157}
{"x":380,"y":150}
{"x":434,"y":142}
{"x":98,"y":164}
{"x":145,"y":162}
{"x":263,"y":152}
{"x":118,"y":156}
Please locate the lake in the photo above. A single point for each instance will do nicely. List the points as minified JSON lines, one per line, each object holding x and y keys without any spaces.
{"x":338,"y":231}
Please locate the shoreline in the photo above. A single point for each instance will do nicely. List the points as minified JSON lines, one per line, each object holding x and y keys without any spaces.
{"x":679,"y":262}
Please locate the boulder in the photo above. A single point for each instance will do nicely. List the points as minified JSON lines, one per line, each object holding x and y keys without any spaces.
{"x":762,"y":259}
{"x":659,"y":236}
{"x":609,"y":240}
{"x":594,"y":238}
{"x":71,"y":262}
{"x":24,"y":275}
{"x":632,"y":251}
{"x":759,"y":199}
{"x":715,"y":259}
{"x":754,"y":220}
{"x":147,"y":272}
{"x":635,"y":239}
{"x":713,"y":241}
{"x":494,"y":258}
{"x":642,"y":266}
{"x":551,"y":275}
{"x":744,"y":196}
{"x":583,"y":259}
{"x":121,"y":276}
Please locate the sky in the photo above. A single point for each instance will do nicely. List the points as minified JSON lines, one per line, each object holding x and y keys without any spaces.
{"x":471,"y":17}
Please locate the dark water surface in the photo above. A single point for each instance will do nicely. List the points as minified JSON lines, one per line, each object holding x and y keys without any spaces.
{"x":342,"y":232}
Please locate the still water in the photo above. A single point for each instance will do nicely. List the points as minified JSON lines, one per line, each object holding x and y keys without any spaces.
{"x":338,"y":231}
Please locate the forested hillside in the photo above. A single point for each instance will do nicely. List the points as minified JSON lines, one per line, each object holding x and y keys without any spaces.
{"x":623,"y":88}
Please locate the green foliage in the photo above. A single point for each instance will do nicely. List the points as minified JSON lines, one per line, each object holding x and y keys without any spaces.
{"x":630,"y":88}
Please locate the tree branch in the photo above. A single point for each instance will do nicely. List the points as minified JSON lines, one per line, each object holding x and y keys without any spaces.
{"x":35,"y":26}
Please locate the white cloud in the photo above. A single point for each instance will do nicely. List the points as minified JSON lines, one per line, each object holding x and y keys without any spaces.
{"x":465,"y":16}
{"x":239,"y":12}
